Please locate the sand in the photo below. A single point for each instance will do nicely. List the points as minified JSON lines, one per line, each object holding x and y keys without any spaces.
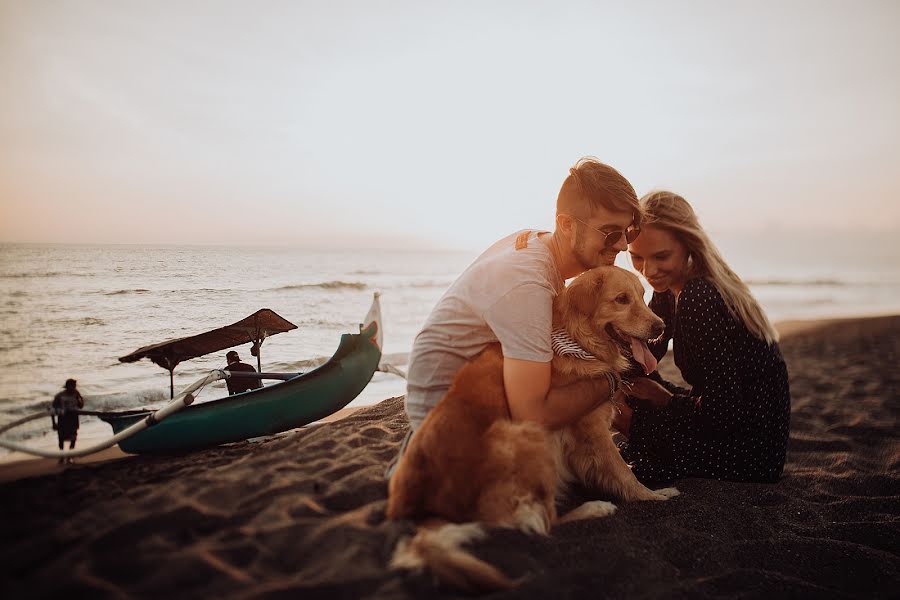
{"x":301,"y":514}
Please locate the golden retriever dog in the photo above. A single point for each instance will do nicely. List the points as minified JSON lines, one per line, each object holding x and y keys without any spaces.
{"x":469,"y":465}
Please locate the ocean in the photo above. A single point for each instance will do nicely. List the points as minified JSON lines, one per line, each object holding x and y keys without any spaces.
{"x":71,"y":311}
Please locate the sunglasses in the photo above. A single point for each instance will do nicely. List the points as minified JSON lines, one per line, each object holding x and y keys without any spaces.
{"x":611,"y":238}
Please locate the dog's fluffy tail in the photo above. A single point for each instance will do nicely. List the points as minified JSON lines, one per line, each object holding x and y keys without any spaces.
{"x":439,"y":550}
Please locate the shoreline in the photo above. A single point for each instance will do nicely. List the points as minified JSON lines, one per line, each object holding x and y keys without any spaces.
{"x":16,"y":465}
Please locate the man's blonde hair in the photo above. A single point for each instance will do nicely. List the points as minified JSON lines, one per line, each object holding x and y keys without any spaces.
{"x":592,"y":185}
{"x":672,"y":213}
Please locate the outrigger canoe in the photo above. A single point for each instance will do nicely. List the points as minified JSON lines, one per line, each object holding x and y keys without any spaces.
{"x":294,"y":402}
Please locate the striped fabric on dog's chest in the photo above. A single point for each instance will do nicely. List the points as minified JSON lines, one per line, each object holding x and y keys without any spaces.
{"x":563,"y":345}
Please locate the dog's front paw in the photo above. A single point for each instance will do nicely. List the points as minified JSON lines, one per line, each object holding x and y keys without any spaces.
{"x":667,"y":493}
{"x":596,"y":509}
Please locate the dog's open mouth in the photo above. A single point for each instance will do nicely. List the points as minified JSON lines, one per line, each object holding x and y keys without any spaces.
{"x":633,"y":347}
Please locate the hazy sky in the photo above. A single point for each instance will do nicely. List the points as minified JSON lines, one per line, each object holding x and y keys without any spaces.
{"x":448,"y":124}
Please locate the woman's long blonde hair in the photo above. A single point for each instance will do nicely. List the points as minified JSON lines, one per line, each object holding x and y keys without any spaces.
{"x":672,"y":213}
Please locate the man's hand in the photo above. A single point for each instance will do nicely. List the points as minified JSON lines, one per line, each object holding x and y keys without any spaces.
{"x":647,"y":389}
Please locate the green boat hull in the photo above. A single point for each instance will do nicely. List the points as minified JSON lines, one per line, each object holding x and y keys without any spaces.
{"x":264,"y":411}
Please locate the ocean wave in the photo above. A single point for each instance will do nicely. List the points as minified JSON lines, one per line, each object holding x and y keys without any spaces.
{"x":85,"y":321}
{"x":194,"y":291}
{"x":803,"y":282}
{"x":823,"y":282}
{"x":327,"y":285}
{"x":308,"y":364}
{"x":777,"y":303}
{"x":40,"y":428}
{"x":100,"y":402}
{"x":121,"y":292}
{"x":326,"y":323}
{"x":29,"y":430}
{"x":11,"y":413}
{"x":39,"y":274}
{"x":127,"y":400}
{"x":426,"y":284}
{"x":296,"y":366}
{"x":11,"y":346}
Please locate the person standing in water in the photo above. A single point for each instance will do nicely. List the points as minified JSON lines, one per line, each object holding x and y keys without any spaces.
{"x":64,"y":415}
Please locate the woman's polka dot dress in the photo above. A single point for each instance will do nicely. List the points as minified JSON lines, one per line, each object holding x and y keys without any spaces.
{"x":733,"y":422}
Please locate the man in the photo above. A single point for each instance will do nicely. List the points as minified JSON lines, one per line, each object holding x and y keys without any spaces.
{"x":236,"y":385}
{"x":507,"y":294}
{"x":65,"y":410}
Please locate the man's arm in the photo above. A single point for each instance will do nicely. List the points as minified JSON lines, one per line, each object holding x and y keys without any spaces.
{"x":531,"y":398}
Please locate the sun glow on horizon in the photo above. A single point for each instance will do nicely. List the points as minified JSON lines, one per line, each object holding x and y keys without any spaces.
{"x":410,"y":125}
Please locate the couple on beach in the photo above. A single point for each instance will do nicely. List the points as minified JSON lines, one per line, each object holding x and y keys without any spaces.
{"x":732,"y":424}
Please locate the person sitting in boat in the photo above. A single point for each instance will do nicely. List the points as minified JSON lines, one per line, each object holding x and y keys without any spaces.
{"x":65,"y":416}
{"x":236,"y":385}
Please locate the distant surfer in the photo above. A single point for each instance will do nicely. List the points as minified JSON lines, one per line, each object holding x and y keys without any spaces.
{"x":65,"y":416}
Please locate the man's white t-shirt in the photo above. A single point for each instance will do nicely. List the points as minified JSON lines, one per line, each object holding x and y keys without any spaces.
{"x":506,"y":295}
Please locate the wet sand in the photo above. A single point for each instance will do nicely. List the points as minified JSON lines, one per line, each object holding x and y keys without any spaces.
{"x":301,"y":514}
{"x":18,"y":465}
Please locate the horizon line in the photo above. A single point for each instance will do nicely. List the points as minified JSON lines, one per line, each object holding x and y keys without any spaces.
{"x":261,"y":245}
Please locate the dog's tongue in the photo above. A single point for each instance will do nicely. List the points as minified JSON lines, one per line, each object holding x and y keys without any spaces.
{"x":642,"y":354}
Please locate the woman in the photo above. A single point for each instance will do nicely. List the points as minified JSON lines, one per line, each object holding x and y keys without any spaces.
{"x":733,"y":422}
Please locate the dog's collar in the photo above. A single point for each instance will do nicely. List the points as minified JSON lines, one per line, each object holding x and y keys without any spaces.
{"x":614,"y":381}
{"x":563,"y":345}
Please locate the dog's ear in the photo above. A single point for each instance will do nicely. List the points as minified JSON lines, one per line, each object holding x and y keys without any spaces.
{"x":581,"y":295}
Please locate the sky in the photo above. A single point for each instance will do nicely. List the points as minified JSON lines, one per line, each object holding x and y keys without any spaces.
{"x":379,"y":124}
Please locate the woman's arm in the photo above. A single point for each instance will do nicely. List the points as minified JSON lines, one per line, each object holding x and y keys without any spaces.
{"x":663,"y":305}
{"x":714,"y":338}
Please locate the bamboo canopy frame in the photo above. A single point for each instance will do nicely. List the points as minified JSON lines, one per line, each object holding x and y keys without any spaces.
{"x":253,"y":329}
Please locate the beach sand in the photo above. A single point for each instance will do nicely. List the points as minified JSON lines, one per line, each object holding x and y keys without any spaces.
{"x":301,"y":514}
